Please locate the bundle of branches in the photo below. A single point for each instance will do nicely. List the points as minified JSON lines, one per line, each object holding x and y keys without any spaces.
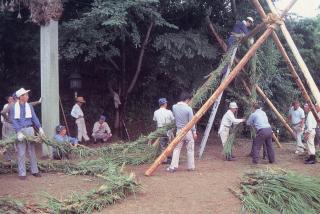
{"x":9,"y":205}
{"x":270,"y":192}
{"x":116,"y":187}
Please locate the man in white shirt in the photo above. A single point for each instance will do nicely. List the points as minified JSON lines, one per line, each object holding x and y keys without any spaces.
{"x":77,"y":113}
{"x":227,"y":121}
{"x":309,"y":135}
{"x":163,"y":117}
{"x":297,"y":118}
{"x":7,"y":130}
{"x":101,"y":130}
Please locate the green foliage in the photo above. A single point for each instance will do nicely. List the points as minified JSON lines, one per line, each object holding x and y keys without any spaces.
{"x":279,"y":192}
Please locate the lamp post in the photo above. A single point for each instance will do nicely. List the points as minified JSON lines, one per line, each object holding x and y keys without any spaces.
{"x":75,"y":82}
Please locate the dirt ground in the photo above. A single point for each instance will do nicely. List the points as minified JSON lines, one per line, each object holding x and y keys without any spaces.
{"x":205,"y":190}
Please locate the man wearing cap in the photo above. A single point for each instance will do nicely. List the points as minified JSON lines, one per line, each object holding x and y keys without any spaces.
{"x":260,"y":121}
{"x":227,"y":121}
{"x":240,"y":29}
{"x":23,"y":119}
{"x":62,"y":137}
{"x":183,"y":113}
{"x":163,"y":117}
{"x":309,"y":135}
{"x":101,"y":130}
{"x":77,"y":113}
{"x":297,"y":118}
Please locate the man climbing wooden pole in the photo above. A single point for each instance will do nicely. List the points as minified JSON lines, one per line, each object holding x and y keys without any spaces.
{"x":224,"y":47}
{"x":312,"y":85}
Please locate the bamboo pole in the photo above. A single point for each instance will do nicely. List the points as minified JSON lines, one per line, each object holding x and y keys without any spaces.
{"x":270,"y":104}
{"x":224,"y":47}
{"x":206,"y":106}
{"x":312,"y":85}
{"x":289,"y":63}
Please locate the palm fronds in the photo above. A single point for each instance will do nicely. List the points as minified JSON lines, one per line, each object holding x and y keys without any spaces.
{"x":280,"y":192}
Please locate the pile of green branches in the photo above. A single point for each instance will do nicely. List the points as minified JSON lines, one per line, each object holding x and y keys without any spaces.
{"x":116,"y":186}
{"x":270,"y":192}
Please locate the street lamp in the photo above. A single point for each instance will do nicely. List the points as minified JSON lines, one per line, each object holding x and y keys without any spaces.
{"x":75,"y":82}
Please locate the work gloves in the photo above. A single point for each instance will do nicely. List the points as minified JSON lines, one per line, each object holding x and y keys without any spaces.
{"x":41,"y":132}
{"x":20,"y":136}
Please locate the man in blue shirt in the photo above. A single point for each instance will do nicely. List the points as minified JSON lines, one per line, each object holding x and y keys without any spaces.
{"x":259,"y":120}
{"x":240,"y":29}
{"x":23,"y":119}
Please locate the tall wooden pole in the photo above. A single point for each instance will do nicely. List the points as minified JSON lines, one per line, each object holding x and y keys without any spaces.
{"x":206,"y":106}
{"x":224,"y":47}
{"x":312,"y":85}
{"x":270,"y":104}
{"x":289,"y":63}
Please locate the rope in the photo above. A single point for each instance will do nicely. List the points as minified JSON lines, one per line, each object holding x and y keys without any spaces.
{"x":273,"y":19}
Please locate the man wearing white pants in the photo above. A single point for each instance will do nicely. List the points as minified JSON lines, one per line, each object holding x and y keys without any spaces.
{"x":23,"y":119}
{"x":309,"y":135}
{"x":183,"y":114}
{"x":77,"y":113}
{"x":297,"y":118}
{"x":227,"y":121}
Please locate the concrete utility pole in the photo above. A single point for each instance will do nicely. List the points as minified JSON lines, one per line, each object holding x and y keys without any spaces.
{"x":49,"y":81}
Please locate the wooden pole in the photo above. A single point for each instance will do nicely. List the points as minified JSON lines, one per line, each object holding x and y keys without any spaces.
{"x":206,"y":106}
{"x":289,"y":63}
{"x":312,"y":85}
{"x":270,"y":104}
{"x":224,"y":47}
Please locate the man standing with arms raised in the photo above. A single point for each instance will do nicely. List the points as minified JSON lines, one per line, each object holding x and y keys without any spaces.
{"x":23,"y":119}
{"x":183,"y":113}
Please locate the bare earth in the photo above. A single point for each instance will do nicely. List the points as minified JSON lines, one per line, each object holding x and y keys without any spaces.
{"x":205,"y":190}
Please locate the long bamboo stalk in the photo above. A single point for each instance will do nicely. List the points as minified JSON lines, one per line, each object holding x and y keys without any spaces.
{"x":312,"y":85}
{"x":270,"y":104}
{"x":206,"y":106}
{"x":224,"y":47}
{"x":289,"y":63}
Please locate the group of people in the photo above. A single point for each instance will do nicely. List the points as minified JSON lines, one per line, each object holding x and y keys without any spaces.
{"x":305,"y":127}
{"x":182,"y":113}
{"x":19,"y":119}
{"x":101,"y":129}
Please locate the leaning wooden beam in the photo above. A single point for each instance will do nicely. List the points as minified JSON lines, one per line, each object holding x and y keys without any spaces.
{"x":206,"y":106}
{"x":289,"y":63}
{"x":312,"y":85}
{"x":270,"y":104}
{"x":224,"y":47}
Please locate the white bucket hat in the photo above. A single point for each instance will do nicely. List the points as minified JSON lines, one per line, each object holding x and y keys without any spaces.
{"x":21,"y":92}
{"x":250,"y":18}
{"x":233,"y":105}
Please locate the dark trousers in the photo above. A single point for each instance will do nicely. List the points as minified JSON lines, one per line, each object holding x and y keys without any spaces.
{"x":264,"y":136}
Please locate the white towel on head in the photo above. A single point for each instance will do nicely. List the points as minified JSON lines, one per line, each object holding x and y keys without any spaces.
{"x":17,"y":111}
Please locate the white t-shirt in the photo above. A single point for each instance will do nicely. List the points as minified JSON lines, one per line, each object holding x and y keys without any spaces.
{"x":228,"y":119}
{"x":76,"y":111}
{"x":163,"y":116}
{"x":296,"y":115}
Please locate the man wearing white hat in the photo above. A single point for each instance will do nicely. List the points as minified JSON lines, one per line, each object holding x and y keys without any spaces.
{"x":23,"y":119}
{"x":77,"y":113}
{"x":227,"y":121}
